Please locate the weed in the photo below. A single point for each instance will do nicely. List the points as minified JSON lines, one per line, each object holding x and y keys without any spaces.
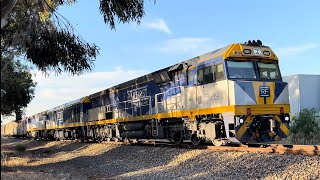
{"x":305,"y":128}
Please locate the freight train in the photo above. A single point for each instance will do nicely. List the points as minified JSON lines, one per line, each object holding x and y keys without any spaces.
{"x":234,"y":94}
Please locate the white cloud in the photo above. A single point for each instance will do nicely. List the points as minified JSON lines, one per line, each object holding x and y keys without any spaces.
{"x":190,"y":45}
{"x":157,"y":24}
{"x":296,"y":50}
{"x":56,"y":90}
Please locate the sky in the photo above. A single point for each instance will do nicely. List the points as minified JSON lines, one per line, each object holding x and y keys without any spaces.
{"x":173,"y":31}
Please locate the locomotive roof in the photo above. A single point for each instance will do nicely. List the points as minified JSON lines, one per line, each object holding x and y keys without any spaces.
{"x":227,"y":52}
{"x":71,"y":103}
{"x":230,"y":51}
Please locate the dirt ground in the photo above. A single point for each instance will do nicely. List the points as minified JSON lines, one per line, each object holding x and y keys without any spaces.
{"x":74,"y":160}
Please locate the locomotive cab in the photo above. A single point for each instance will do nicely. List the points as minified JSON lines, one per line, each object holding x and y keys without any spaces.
{"x":258,"y":94}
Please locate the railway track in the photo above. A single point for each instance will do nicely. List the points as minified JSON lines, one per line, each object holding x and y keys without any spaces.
{"x":310,"y":150}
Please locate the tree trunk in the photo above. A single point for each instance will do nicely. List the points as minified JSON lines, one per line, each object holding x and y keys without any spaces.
{"x":18,"y":113}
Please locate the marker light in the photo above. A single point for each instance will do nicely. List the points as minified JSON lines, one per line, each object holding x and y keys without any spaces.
{"x":266,"y":53}
{"x":247,"y":51}
{"x":286,"y":118}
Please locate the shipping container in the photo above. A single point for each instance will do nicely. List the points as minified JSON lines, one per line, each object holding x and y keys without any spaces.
{"x":304,"y":92}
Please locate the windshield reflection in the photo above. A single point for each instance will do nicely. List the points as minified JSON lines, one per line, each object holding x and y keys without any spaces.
{"x":252,"y":70}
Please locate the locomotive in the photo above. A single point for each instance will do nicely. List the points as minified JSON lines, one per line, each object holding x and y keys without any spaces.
{"x":234,"y":94}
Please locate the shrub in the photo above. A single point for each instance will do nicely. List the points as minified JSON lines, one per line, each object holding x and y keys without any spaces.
{"x":305,"y":127}
{"x":20,"y":147}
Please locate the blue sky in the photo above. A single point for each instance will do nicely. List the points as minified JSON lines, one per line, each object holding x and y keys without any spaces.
{"x":173,"y":31}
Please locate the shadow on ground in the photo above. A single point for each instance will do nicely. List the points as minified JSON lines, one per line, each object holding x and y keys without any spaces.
{"x":105,"y":161}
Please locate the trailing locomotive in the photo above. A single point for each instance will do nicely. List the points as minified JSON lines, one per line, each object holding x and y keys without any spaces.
{"x":231,"y":95}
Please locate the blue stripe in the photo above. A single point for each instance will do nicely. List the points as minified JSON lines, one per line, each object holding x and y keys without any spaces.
{"x":279,"y":87}
{"x":248,"y":88}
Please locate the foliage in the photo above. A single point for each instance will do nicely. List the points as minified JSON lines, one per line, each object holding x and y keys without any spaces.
{"x":124,"y":10}
{"x":305,"y":127}
{"x":19,"y":86}
{"x":48,"y":40}
{"x":36,"y":33}
{"x":20,"y":147}
{"x":305,"y":122}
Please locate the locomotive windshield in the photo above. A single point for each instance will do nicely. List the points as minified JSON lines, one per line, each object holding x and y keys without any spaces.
{"x":269,"y":71}
{"x":252,"y":70}
{"x":241,"y":70}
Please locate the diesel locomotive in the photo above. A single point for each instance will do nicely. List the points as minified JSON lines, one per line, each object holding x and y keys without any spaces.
{"x":234,"y":94}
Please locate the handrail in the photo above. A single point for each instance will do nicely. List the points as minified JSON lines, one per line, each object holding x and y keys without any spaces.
{"x":125,"y":108}
{"x":165,"y":94}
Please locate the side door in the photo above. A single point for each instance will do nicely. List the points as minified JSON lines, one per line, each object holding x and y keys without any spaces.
{"x":205,"y":79}
{"x":191,"y":89}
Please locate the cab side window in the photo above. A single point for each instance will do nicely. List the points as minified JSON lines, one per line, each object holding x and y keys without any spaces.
{"x":190,"y":78}
{"x":205,"y":75}
{"x":219,"y":72}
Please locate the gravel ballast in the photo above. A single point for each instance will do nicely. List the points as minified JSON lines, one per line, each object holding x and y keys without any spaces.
{"x":72,"y":160}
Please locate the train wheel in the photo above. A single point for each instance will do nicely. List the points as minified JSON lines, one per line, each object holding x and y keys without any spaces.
{"x":217,"y":142}
{"x":177,"y":137}
{"x":195,"y":140}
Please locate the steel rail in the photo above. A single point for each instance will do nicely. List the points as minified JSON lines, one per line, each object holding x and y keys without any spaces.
{"x":310,"y":150}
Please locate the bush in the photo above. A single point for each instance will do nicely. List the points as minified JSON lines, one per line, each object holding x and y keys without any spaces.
{"x":305,"y":128}
{"x":20,"y":147}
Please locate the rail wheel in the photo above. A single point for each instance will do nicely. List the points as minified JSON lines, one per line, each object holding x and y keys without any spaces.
{"x":217,"y":142}
{"x":195,"y":140}
{"x":177,"y":137}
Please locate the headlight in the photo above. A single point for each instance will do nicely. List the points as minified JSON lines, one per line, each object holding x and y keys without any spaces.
{"x":247,"y":51}
{"x":241,"y":120}
{"x":286,"y":118}
{"x":266,"y":53}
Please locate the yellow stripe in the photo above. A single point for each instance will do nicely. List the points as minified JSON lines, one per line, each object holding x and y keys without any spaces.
{"x":240,"y":55}
{"x":227,"y":52}
{"x":85,"y":99}
{"x":272,"y":88}
{"x":262,"y":109}
{"x":244,"y":127}
{"x":67,"y":125}
{"x":283,"y":127}
{"x":256,"y":88}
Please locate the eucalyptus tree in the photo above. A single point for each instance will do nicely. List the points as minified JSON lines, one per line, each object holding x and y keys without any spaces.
{"x":39,"y":33}
{"x":18,"y":86}
{"x":34,"y":31}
